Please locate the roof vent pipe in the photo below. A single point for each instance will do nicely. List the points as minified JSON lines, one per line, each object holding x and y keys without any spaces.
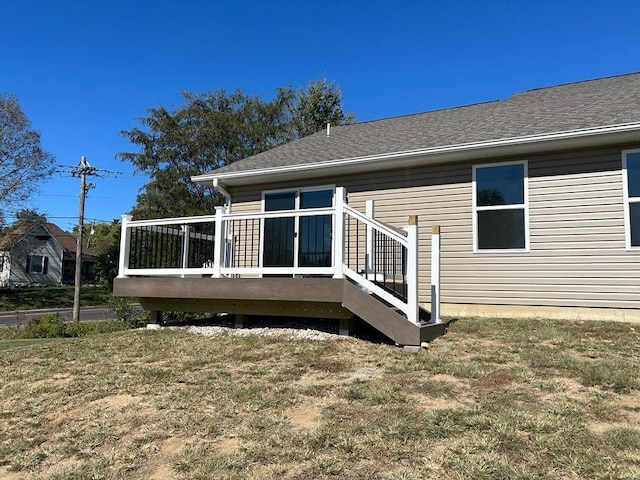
{"x":227,"y":198}
{"x":328,"y":129}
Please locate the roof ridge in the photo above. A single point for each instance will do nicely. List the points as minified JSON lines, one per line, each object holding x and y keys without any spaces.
{"x":577,"y":82}
{"x":415,"y":114}
{"x":395,"y":117}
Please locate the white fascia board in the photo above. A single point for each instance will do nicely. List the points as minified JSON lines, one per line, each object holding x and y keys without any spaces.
{"x":591,"y":137}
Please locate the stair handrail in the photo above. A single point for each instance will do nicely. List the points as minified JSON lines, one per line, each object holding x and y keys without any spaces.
{"x":408,"y":238}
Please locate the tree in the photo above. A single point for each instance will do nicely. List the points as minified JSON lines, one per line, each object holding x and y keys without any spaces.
{"x":29,"y":216}
{"x":23,"y":161}
{"x":319,"y":104}
{"x":212,"y":130}
{"x":209,"y":131}
{"x":104,"y":240}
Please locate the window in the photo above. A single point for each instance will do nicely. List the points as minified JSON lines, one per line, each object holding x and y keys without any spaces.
{"x":631,"y":179}
{"x":1,"y":263}
{"x":303,"y":241}
{"x":37,"y":264}
{"x":500,"y":207}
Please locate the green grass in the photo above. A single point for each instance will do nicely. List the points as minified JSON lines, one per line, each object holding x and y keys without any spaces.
{"x":493,"y":399}
{"x":31,"y":298}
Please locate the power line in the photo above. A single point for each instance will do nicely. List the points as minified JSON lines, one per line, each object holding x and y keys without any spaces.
{"x":83,"y":170}
{"x":99,"y":172}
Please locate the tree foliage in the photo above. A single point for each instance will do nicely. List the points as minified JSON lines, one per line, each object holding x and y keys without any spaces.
{"x":103,"y":239}
{"x":27,"y":215}
{"x":23,"y":161}
{"x":105,"y":242}
{"x":319,"y":104}
{"x":214,"y":129}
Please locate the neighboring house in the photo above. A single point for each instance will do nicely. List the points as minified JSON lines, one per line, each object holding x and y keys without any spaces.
{"x":41,"y":253}
{"x":537,"y":198}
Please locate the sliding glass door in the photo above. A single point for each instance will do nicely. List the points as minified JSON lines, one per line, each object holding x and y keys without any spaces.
{"x":300,"y":241}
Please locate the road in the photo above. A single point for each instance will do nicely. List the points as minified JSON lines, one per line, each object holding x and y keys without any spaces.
{"x":87,"y":314}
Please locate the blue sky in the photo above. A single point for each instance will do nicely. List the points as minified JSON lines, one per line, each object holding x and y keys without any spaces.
{"x":85,"y":70}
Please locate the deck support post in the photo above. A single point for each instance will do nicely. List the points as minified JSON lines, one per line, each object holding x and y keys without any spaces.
{"x":239,"y":320}
{"x":413,"y":307}
{"x":435,"y":275}
{"x":369,"y":212}
{"x":338,"y":233}
{"x":125,"y":245}
{"x":346,"y":326}
{"x":219,"y":245}
{"x":155,"y":320}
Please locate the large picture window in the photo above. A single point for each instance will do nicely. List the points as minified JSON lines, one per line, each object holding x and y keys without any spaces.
{"x":631,"y":178}
{"x":500,"y":207}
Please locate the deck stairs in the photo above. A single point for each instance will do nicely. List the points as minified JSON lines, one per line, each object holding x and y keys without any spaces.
{"x":389,"y":320}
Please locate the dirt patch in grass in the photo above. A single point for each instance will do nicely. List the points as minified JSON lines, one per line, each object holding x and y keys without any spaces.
{"x":227,"y":446}
{"x":306,"y":416}
{"x":174,"y":405}
{"x":498,"y":378}
{"x":159,"y":465}
{"x":429,"y":404}
{"x":5,"y":474}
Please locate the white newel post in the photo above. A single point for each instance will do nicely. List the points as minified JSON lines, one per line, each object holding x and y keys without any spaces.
{"x":185,"y":248}
{"x":369,"y":212}
{"x":412,"y":271}
{"x":338,"y":233}
{"x":219,"y":244}
{"x":435,"y":275}
{"x":125,"y":246}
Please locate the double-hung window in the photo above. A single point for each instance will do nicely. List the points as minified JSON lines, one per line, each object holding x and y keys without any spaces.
{"x":631,"y":179}
{"x":37,"y":264}
{"x":500,"y":207}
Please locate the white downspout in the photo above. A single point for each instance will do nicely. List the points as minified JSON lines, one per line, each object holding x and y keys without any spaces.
{"x":222,"y":254}
{"x":227,"y":198}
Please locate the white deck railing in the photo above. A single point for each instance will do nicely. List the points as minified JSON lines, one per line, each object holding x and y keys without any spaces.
{"x":381,"y":259}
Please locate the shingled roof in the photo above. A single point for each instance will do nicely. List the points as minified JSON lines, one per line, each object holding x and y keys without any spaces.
{"x":67,"y":242}
{"x":574,"y":107}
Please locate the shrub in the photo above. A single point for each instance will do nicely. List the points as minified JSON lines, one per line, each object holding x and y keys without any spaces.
{"x":128,"y":313}
{"x":55,"y":326}
{"x":52,"y":325}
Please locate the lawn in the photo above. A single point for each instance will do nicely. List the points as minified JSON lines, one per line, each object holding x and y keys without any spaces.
{"x":30,"y":298}
{"x":493,"y":399}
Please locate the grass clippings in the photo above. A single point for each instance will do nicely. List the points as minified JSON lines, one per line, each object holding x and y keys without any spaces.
{"x":493,"y":399}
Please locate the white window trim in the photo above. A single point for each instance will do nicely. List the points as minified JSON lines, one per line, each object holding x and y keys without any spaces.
{"x":628,"y":201}
{"x":524,"y":206}
{"x":298,"y":191}
{"x":296,"y":227}
{"x":42,"y":264}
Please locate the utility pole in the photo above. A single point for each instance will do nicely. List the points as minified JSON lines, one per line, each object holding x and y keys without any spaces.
{"x":82,"y":171}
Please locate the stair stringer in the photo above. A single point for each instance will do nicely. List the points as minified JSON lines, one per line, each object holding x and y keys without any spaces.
{"x":385,"y":319}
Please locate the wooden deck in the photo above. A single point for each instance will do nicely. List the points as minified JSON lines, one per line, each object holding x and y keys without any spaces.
{"x":299,"y":297}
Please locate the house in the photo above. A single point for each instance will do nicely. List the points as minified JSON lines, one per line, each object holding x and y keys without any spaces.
{"x":40,"y":253}
{"x":527,"y":206}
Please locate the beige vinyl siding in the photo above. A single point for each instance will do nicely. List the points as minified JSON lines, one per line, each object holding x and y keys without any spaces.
{"x":436,"y":195}
{"x":577,"y":254}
